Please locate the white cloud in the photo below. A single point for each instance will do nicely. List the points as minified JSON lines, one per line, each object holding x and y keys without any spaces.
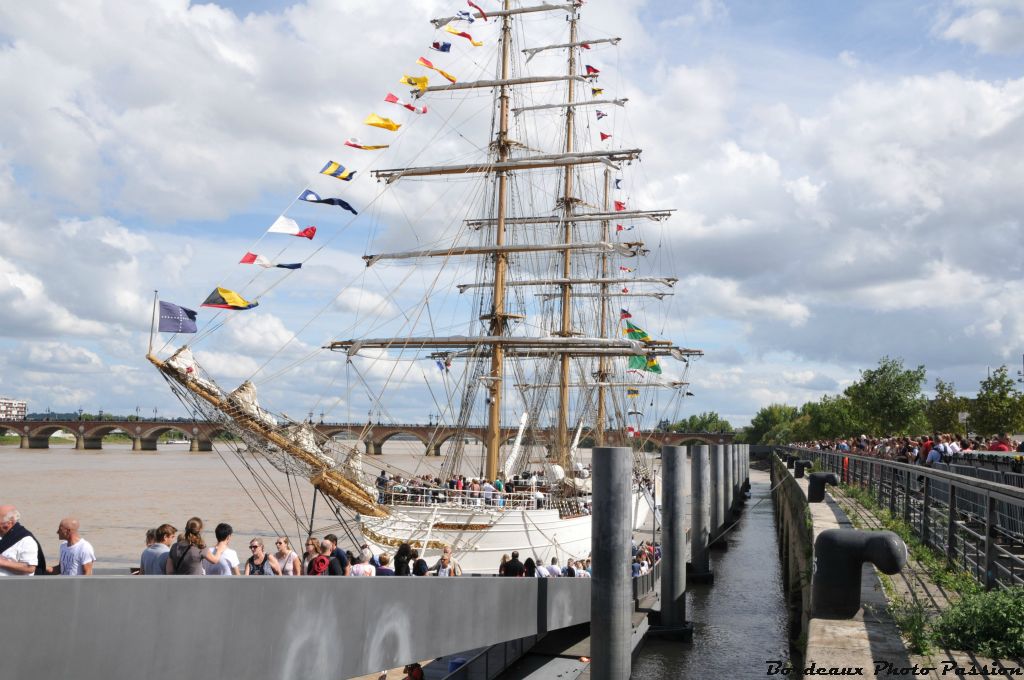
{"x":993,"y":26}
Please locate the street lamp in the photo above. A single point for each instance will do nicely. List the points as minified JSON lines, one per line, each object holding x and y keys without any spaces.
{"x":136,"y":413}
{"x":80,"y":411}
{"x":154,"y":413}
{"x":101,"y":414}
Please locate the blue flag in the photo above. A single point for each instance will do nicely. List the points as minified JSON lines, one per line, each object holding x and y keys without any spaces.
{"x":313,"y":197}
{"x":441,"y":46}
{"x":618,"y":184}
{"x":176,"y":319}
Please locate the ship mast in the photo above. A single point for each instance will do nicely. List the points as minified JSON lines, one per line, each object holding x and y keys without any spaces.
{"x":562,"y":429}
{"x":602,"y":364}
{"x":492,"y":442}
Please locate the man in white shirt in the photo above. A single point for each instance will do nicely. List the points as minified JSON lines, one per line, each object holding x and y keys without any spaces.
{"x":20,"y":554}
{"x":228,"y":564}
{"x":76,"y":553}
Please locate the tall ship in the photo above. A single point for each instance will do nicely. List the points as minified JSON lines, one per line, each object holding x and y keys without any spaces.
{"x":526,"y":312}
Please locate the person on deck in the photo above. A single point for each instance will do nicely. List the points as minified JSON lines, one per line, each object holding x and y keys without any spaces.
{"x":228,"y":564}
{"x":261,"y":563}
{"x":153,"y":560}
{"x":20,"y":552}
{"x":514,"y":567}
{"x":344,"y":563}
{"x":287,"y":558}
{"x":76,"y":554}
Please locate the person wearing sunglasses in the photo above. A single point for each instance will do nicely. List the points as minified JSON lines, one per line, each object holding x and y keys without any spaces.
{"x":261,"y":563}
{"x":287,"y":558}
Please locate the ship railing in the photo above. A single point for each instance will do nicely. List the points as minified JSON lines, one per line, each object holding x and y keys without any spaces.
{"x":464,"y":498}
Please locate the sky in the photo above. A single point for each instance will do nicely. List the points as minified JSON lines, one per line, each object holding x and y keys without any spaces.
{"x":847,"y":179}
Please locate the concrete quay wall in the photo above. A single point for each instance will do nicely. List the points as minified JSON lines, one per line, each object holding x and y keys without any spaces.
{"x":835,"y":645}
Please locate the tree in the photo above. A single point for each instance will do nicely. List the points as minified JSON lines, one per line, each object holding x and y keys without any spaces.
{"x":704,"y":422}
{"x":832,"y":417}
{"x":887,"y":399}
{"x":766,"y":419}
{"x":944,"y":410}
{"x":997,"y":408}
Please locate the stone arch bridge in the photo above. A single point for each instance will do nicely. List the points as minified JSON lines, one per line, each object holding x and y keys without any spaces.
{"x":89,"y":434}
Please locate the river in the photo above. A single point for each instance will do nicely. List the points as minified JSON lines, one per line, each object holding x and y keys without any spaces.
{"x":739,"y":621}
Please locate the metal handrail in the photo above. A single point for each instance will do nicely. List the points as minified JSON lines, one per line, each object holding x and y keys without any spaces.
{"x":977,"y":523}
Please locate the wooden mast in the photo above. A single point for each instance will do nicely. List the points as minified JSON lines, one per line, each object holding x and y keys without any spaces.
{"x":562,"y":429}
{"x":492,"y":442}
{"x":602,"y":364}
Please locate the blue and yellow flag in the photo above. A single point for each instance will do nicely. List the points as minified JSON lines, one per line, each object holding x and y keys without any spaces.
{"x":338,"y":170}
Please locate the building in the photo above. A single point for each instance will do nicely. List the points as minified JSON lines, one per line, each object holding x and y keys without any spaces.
{"x":12,"y":409}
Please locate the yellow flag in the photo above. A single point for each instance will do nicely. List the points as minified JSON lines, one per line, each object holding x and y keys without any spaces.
{"x":462,"y":34}
{"x":420,"y":82}
{"x":386,"y":123}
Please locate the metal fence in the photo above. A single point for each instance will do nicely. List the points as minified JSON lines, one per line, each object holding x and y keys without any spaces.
{"x":973,"y":515}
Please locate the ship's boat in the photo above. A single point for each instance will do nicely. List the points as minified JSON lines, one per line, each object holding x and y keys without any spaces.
{"x":536,"y":353}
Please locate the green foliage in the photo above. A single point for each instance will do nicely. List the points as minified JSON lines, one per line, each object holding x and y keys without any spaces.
{"x":944,"y":411}
{"x":704,"y":422}
{"x":887,"y":399}
{"x":913,"y":622}
{"x":997,"y":408}
{"x":767,"y":418}
{"x":832,"y":417}
{"x":989,"y":623}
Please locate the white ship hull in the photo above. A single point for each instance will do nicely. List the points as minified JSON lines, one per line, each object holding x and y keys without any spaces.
{"x":480,"y":535}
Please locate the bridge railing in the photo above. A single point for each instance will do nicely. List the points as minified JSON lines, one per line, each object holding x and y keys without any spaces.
{"x":977,"y":521}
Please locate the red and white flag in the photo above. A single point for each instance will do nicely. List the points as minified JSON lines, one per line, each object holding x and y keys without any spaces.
{"x":620,"y":206}
{"x":392,"y":99}
{"x":286,"y":225}
{"x":605,"y":136}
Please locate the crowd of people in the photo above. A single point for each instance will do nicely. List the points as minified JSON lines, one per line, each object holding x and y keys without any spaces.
{"x":521,"y":490}
{"x":21,"y":554}
{"x":171,"y":552}
{"x":922,"y":450}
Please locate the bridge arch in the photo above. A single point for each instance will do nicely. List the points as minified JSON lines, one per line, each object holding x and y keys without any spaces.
{"x":392,"y":434}
{"x":329,"y":431}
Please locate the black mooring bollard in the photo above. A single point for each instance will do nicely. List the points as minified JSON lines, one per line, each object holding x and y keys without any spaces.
{"x":789,"y":461}
{"x":816,"y":482}
{"x":802,"y":465}
{"x":838,"y":556}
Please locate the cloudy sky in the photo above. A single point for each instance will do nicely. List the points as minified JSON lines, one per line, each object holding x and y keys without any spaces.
{"x":848,"y":180}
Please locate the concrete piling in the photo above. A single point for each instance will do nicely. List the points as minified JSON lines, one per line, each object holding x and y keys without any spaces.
{"x":727,"y":483}
{"x":673,"y":536}
{"x":717,"y":490}
{"x":611,"y":587}
{"x":700,"y":514}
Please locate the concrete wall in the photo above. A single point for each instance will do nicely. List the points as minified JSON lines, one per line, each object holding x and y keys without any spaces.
{"x":105,"y":627}
{"x":796,"y":544}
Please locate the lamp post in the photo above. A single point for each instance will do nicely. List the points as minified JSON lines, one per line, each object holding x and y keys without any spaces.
{"x":154,"y":413}
{"x":136,"y":413}
{"x":80,"y":412}
{"x":100,"y":415}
